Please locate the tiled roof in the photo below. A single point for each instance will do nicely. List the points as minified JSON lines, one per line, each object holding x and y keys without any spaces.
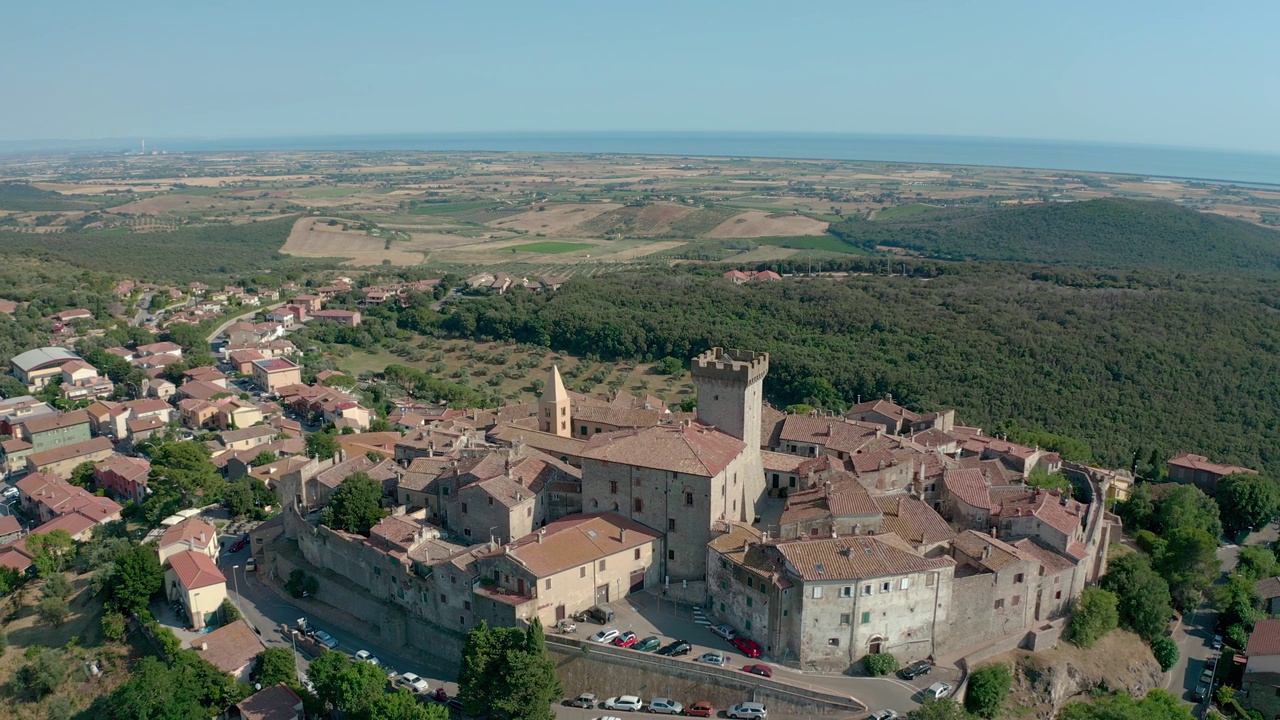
{"x":192,"y":530}
{"x":968,"y":486}
{"x":854,"y":557}
{"x":144,"y":424}
{"x":883,"y":407}
{"x":278,"y":702}
{"x":1268,"y":588}
{"x":692,"y":449}
{"x":195,"y":570}
{"x":395,"y":531}
{"x":74,"y":450}
{"x":1265,"y":639}
{"x":72,"y":523}
{"x":202,"y":390}
{"x":1050,"y":507}
{"x":230,"y":647}
{"x":1050,"y":560}
{"x":933,"y":437}
{"x":15,"y":555}
{"x":618,"y":416}
{"x":1200,"y":462}
{"x":381,"y":471}
{"x":546,"y":442}
{"x":229,"y":436}
{"x":145,"y":406}
{"x":974,"y":543}
{"x":9,"y":524}
{"x":913,"y":520}
{"x":834,"y":433}
{"x":782,"y":462}
{"x":45,"y":423}
{"x":578,"y":540}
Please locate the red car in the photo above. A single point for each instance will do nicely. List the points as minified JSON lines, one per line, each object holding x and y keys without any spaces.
{"x":241,"y":544}
{"x":758,"y":670}
{"x":626,"y":640}
{"x":747,"y":647}
{"x":702,"y":708}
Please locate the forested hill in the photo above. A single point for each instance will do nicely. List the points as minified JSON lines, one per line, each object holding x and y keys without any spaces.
{"x":1106,"y":233}
{"x":1138,"y":364}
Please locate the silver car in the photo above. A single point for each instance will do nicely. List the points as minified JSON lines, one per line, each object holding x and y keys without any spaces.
{"x":606,"y":635}
{"x":665,"y":706}
{"x":713,"y":659}
{"x":624,"y":702}
{"x":938,"y":690}
{"x":725,"y":632}
{"x":748,"y":711}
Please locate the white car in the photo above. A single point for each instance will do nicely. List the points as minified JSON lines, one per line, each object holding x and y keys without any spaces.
{"x":624,"y":702}
{"x":665,"y":706}
{"x":414,"y":683}
{"x":366,"y":656}
{"x":605,"y":636}
{"x":725,"y":632}
{"x":326,"y":639}
{"x":938,"y":690}
{"x":608,"y":717}
{"x":884,"y":715}
{"x":713,"y":659}
{"x":748,"y":711}
{"x":11,"y":491}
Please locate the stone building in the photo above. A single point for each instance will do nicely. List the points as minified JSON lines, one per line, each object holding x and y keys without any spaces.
{"x":1260,"y":687}
{"x":730,"y":387}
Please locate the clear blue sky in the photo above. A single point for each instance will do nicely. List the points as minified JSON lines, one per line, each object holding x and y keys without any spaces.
{"x":1175,"y":72}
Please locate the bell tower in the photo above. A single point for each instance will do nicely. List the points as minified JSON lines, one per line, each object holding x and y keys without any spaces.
{"x":553,"y":407}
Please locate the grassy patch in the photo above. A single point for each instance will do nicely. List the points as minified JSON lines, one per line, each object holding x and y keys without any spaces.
{"x":328,"y":192}
{"x":552,"y":247}
{"x":902,"y":211}
{"x":812,"y":242}
{"x":448,"y":208}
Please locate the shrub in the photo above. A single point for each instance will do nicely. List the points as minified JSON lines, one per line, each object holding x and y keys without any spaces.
{"x":880,"y":664}
{"x":1166,"y":652}
{"x":989,"y":686}
{"x":54,"y":610}
{"x":1095,"y":614}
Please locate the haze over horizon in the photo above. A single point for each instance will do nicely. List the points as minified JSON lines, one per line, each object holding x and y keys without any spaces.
{"x":1176,"y":74}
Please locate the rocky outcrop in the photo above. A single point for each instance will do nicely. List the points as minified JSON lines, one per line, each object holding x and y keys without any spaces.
{"x":1045,"y":681}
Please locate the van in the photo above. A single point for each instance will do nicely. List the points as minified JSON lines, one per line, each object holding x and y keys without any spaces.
{"x":600,"y":614}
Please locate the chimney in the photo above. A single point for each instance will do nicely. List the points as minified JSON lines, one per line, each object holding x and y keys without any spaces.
{"x":622,"y":535}
{"x":541,"y":532}
{"x":204,"y":646}
{"x":993,"y":531}
{"x":986,"y":552}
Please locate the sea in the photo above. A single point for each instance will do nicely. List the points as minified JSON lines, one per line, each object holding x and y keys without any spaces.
{"x":1151,"y":161}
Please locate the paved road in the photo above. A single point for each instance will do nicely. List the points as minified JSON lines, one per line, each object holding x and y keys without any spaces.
{"x":218,"y":330}
{"x":141,"y":305}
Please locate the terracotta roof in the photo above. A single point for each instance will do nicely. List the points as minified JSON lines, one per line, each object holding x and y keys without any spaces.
{"x":144,"y":424}
{"x":1200,"y":462}
{"x":501,"y":488}
{"x":913,"y":520}
{"x":974,"y":543}
{"x":192,"y":531}
{"x":1047,"y":506}
{"x":835,"y":433}
{"x":75,"y":365}
{"x":782,"y":462}
{"x":15,"y":555}
{"x":230,"y":647}
{"x":1265,"y":639}
{"x":229,"y":436}
{"x":72,"y":523}
{"x":887,"y":408}
{"x":547,"y":442}
{"x":13,"y":445}
{"x":933,"y":437}
{"x":1268,"y":588}
{"x":9,"y":524}
{"x":968,"y":486}
{"x":395,"y":531}
{"x":195,"y":570}
{"x":771,"y":420}
{"x":152,"y":405}
{"x":692,"y":449}
{"x":381,"y":471}
{"x":278,"y":702}
{"x":578,"y":540}
{"x":1051,"y":561}
{"x":854,"y":557}
{"x":66,"y":452}
{"x":45,"y":423}
{"x":160,"y":348}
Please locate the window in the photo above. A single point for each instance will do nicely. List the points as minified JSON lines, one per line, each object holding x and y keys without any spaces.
{"x":1017,"y":599}
{"x":775,"y":478}
{"x":671,"y":554}
{"x":1017,"y":578}
{"x":637,"y":504}
{"x":724,"y":585}
{"x":1000,"y":604}
{"x":466,"y":605}
{"x":846,"y":591}
{"x":724,"y":564}
{"x":584,"y":430}
{"x":602,"y":565}
{"x":866,"y":618}
{"x":786,"y":613}
{"x":637,"y":482}
{"x":748,"y":601}
{"x":749,"y":582}
{"x":582,"y":571}
{"x":528,"y":512}
{"x":833,"y":642}
{"x":930,"y":579}
{"x":637,"y":553}
{"x":425,"y":596}
{"x":443,"y":600}
{"x":674,"y":475}
{"x":846,"y":618}
{"x":597,"y":430}
{"x":462,"y":620}
{"x":866,"y":589}
{"x":466,"y":531}
{"x":721,"y":607}
{"x":688,"y":498}
{"x":817,"y":592}
{"x":1057,"y":595}
{"x":445,"y":491}
{"x":464,"y":508}
{"x":453,"y":579}
{"x":906,"y":583}
{"x":886,"y":587}
{"x":490,"y":502}
{"x":747,"y":626}
{"x":671,"y":523}
{"x":548,"y":585}
{"x":564,"y":411}
{"x":613,"y":486}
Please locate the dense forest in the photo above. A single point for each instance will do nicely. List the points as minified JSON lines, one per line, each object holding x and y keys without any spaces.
{"x":1140,"y":364}
{"x":1107,"y":233}
{"x":181,"y":255}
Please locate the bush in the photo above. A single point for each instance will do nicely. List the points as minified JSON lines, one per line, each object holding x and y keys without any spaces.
{"x":54,"y":610}
{"x":1166,"y":652}
{"x":880,"y":664}
{"x":988,"y":688}
{"x":113,"y":625}
{"x":301,"y":584}
{"x":230,"y":613}
{"x":1095,"y":614}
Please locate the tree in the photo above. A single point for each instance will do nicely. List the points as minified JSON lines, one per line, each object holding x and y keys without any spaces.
{"x":324,"y":672}
{"x":1257,"y":563}
{"x":353,"y":689}
{"x":239,"y":495}
{"x":263,"y":458}
{"x":1157,"y":705}
{"x":402,"y":705}
{"x":1142,"y":595}
{"x":989,"y":686}
{"x":669,"y":366}
{"x":1246,"y":501}
{"x":58,"y":586}
{"x":880,"y":664}
{"x":1187,"y":507}
{"x":50,"y":552}
{"x":113,"y":625}
{"x":1095,"y":614}
{"x":355,"y":506}
{"x":275,"y":665}
{"x":82,"y":475}
{"x":300,"y":584}
{"x":54,"y":610}
{"x":1189,"y":563}
{"x":507,"y":672}
{"x":44,"y":673}
{"x":322,"y":445}
{"x":185,"y":468}
{"x":137,"y":576}
{"x":944,"y":709}
{"x":230,"y":613}
{"x":1165,"y":651}
{"x":10,"y":580}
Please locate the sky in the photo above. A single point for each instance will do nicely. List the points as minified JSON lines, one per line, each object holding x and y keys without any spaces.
{"x":1177,"y":73}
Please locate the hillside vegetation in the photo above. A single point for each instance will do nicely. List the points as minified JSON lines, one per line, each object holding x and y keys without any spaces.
{"x":1106,"y":233}
{"x":1128,"y":364}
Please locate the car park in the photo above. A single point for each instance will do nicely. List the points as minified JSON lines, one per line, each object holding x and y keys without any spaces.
{"x":325,"y":639}
{"x":604,"y":636}
{"x":624,"y":702}
{"x":883,"y":715}
{"x":649,"y":644}
{"x":916,"y":669}
{"x":415,"y":683}
{"x":626,"y":640}
{"x":762,"y":670}
{"x":665,"y":706}
{"x":366,"y":656}
{"x":713,"y":659}
{"x":585,"y":700}
{"x":676,"y":649}
{"x":725,"y":632}
{"x":747,"y":647}
{"x":702,"y":708}
{"x":748,"y":711}
{"x":938,"y":690}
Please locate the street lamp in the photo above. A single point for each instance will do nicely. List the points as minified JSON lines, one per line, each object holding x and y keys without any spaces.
{"x":235,"y":583}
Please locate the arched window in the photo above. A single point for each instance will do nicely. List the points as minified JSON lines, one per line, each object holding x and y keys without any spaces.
{"x":595,"y":504}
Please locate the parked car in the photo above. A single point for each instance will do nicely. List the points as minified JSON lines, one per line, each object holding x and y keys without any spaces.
{"x":1206,"y":676}
{"x":608,"y":717}
{"x":624,"y":702}
{"x":916,"y":669}
{"x":883,"y":715}
{"x":325,"y":639}
{"x":702,"y":708}
{"x":1217,"y":643}
{"x":713,"y":659}
{"x":665,"y":706}
{"x":604,"y":636}
{"x":747,"y":647}
{"x":1201,"y":692}
{"x":748,"y":711}
{"x":1212,"y":662}
{"x":585,"y":700}
{"x":725,"y":632}
{"x":600,"y":614}
{"x":415,"y":683}
{"x":649,"y":644}
{"x":240,"y":544}
{"x":762,"y":670}
{"x":366,"y":656}
{"x":676,"y":649}
{"x":938,"y":690}
{"x":626,"y":640}
{"x":11,"y":491}
{"x":250,"y":565}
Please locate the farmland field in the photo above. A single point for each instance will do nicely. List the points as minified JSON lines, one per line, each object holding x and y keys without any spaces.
{"x":812,"y":242}
{"x":552,"y":247}
{"x":902,"y":211}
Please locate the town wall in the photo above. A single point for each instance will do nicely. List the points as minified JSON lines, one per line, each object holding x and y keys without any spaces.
{"x":974,"y":619}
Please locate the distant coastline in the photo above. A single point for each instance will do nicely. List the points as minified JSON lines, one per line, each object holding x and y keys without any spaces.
{"x":1145,"y":160}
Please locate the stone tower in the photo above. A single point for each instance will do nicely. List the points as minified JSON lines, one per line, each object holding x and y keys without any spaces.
{"x":553,"y":407}
{"x":730,"y":386}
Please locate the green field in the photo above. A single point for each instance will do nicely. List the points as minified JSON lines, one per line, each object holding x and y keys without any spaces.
{"x":812,"y":242}
{"x":902,"y":211}
{"x":552,"y":247}
{"x":446,"y":208}
{"x":328,"y":192}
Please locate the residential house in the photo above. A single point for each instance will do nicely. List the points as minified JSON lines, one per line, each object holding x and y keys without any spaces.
{"x":191,"y":534}
{"x":278,"y":702}
{"x":16,"y":410}
{"x":67,"y":316}
{"x":160,"y":348}
{"x":62,"y":460}
{"x":247,"y":438}
{"x":1199,"y":470}
{"x":350,"y":318}
{"x":193,"y":580}
{"x":1260,"y":685}
{"x":10,"y":529}
{"x":80,"y":380}
{"x":123,"y":477}
{"x":231,"y":648}
{"x":272,"y":374}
